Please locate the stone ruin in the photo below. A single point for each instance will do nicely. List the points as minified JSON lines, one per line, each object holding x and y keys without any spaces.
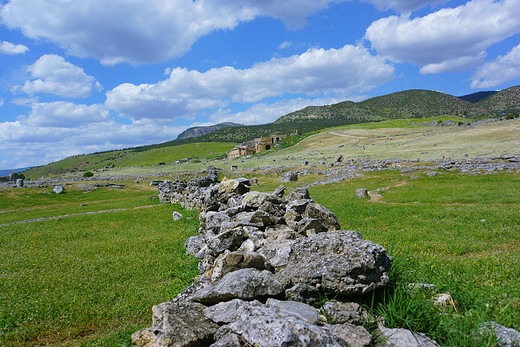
{"x":266,"y":262}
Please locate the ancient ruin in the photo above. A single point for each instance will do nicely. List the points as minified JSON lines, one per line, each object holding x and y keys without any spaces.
{"x":269,"y":266}
{"x":258,"y":145}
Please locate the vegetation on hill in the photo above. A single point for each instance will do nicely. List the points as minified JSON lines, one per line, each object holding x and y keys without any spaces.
{"x":130,"y":157}
{"x":199,"y":131}
{"x":476,"y":97}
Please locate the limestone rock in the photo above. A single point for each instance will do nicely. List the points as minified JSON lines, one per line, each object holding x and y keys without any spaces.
{"x":289,"y":177}
{"x":362,"y":193}
{"x":264,"y":326}
{"x":339,"y":261}
{"x":402,"y":337}
{"x":323,"y":214}
{"x":176,"y":216}
{"x":303,"y":293}
{"x":177,"y":324}
{"x":346,"y":312}
{"x":58,"y":189}
{"x":506,"y":336}
{"x":354,"y":336}
{"x":246,"y":284}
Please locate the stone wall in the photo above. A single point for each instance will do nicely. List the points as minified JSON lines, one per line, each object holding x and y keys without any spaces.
{"x":267,"y":265}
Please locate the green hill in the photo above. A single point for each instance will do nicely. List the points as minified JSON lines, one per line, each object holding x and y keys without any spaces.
{"x":406,"y":104}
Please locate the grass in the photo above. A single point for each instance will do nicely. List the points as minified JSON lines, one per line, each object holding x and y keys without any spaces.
{"x":456,"y":231}
{"x":91,"y":280}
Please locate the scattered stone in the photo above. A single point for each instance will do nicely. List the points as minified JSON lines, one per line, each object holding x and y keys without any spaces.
{"x":246,"y":284}
{"x":339,"y":159}
{"x":354,"y":336}
{"x":402,"y":337}
{"x":177,"y":216}
{"x":58,"y":189}
{"x":346,"y":312}
{"x":506,"y":336}
{"x":362,"y":193}
{"x":177,"y":324}
{"x":19,"y":182}
{"x":289,"y":177}
{"x":445,"y":300}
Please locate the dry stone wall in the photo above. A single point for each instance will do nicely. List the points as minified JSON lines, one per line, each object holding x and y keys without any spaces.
{"x":265,"y":260}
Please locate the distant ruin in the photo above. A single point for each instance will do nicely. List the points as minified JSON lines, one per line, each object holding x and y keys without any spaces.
{"x":257,"y":145}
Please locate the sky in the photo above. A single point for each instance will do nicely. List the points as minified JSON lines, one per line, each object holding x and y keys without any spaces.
{"x":79,"y":77}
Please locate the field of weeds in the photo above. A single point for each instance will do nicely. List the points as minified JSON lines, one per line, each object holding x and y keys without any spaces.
{"x":91,"y":280}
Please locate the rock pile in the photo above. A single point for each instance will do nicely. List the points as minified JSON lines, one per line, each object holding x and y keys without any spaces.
{"x":265,"y":260}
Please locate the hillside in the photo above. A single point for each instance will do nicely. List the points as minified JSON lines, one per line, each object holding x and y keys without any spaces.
{"x":476,"y":97}
{"x":406,"y":104}
{"x":203,"y":130}
{"x":502,"y":102}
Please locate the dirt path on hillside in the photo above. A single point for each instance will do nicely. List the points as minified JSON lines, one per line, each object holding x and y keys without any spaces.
{"x":74,"y":214}
{"x":376,"y":197}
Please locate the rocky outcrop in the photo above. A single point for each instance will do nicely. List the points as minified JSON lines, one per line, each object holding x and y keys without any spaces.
{"x":265,"y":260}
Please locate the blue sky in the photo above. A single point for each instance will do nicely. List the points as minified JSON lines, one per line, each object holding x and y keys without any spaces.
{"x":84,"y":76}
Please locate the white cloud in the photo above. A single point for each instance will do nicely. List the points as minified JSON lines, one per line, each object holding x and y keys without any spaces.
{"x":140,"y":31}
{"x":455,"y":64}
{"x":262,"y":113}
{"x":11,"y":48}
{"x":403,"y":5}
{"x":442,"y":40}
{"x":53,"y":75}
{"x":292,"y":12}
{"x":60,"y":114}
{"x":345,"y":71}
{"x":505,"y":68}
{"x":285,"y":44}
{"x":38,"y":140}
{"x":134,"y":31}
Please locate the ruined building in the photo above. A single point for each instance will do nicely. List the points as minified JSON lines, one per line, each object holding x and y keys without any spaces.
{"x":258,"y":145}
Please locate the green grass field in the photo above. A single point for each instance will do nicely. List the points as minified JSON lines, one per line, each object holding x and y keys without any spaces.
{"x":92,"y":280}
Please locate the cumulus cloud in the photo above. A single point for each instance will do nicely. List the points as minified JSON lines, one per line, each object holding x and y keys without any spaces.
{"x":60,"y":114}
{"x":11,"y":48}
{"x":346,"y":71}
{"x":505,"y":68}
{"x":140,"y":31}
{"x":133,"y":31}
{"x":47,"y":137}
{"x":51,"y":74}
{"x":265,"y":112}
{"x":445,"y":39}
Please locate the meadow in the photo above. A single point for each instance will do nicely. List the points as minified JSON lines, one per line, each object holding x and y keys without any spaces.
{"x":91,"y":280}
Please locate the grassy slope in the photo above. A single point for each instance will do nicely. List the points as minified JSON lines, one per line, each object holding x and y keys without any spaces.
{"x":128,"y":158}
{"x":92,"y":279}
{"x":458,"y":232}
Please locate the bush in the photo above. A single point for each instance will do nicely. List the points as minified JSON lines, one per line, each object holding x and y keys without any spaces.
{"x":88,"y":174}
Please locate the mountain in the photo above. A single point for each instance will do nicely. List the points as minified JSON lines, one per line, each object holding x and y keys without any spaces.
{"x":414,"y":103}
{"x":199,"y":131}
{"x":6,"y":172}
{"x":476,"y":97}
{"x":502,"y":102}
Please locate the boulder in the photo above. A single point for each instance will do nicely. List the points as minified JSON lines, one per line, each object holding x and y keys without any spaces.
{"x":246,"y":284}
{"x":176,"y":216}
{"x":289,"y":177}
{"x":346,"y":312}
{"x":402,"y":337}
{"x":324,"y":215}
{"x":259,"y":325}
{"x":58,"y":189}
{"x":338,"y":261}
{"x":177,"y":324}
{"x":362,"y":193}
{"x":354,"y":336}
{"x":505,"y":336}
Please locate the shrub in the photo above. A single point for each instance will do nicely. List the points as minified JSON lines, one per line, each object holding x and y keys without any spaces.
{"x":88,"y":174}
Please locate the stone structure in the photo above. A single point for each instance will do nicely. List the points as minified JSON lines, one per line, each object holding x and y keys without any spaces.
{"x":264,"y":260}
{"x":258,"y":145}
